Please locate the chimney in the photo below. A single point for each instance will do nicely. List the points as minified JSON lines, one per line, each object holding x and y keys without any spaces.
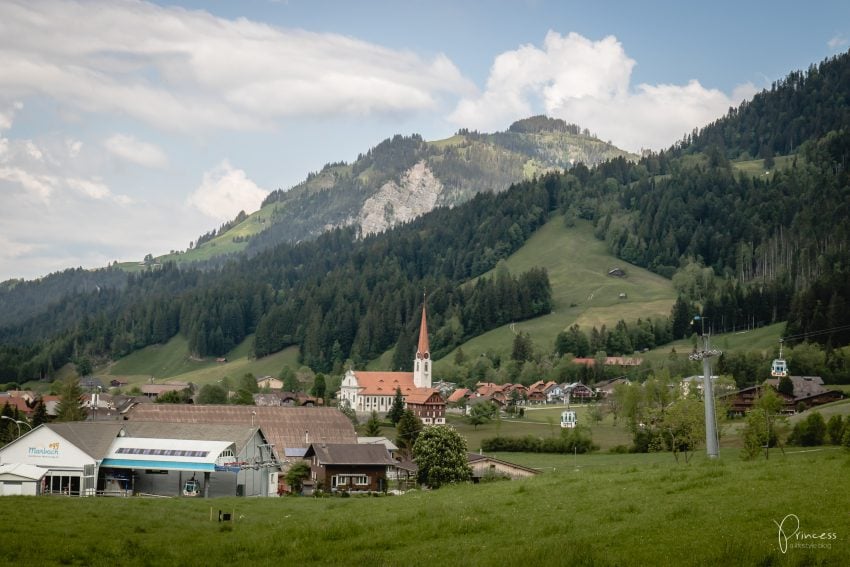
{"x":306,"y":437}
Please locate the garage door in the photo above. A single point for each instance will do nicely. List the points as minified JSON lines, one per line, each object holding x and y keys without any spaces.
{"x":10,"y":488}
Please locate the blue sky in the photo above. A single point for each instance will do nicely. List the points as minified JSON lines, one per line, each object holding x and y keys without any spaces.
{"x":132,"y":127}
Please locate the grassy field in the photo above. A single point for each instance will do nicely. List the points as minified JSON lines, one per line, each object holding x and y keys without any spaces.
{"x":171,"y":361}
{"x":764,"y":340}
{"x":585,"y":510}
{"x":582,"y":292}
{"x":755,"y":167}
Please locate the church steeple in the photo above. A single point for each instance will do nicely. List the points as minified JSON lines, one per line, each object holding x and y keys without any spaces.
{"x":422,"y":362}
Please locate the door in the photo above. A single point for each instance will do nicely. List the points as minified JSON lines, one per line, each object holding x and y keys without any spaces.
{"x":10,"y":488}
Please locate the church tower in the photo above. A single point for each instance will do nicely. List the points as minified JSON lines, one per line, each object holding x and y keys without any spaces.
{"x":422,"y":363}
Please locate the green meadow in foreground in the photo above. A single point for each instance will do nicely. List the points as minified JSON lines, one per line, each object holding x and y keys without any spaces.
{"x":589,"y":510}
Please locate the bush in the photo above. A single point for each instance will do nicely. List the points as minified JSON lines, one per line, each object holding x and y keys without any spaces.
{"x":835,"y":429}
{"x":576,"y":440}
{"x":810,"y":432}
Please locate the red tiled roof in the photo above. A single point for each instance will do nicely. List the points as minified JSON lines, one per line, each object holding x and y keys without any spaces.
{"x":459,"y":394}
{"x":385,"y":383}
{"x":424,"y":395}
{"x":19,"y":403}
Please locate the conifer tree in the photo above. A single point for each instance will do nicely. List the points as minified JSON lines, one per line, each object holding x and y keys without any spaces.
{"x":397,"y":409}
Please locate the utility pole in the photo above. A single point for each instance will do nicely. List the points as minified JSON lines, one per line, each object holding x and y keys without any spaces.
{"x":711,"y":445}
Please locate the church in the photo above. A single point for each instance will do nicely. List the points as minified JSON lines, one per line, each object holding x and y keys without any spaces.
{"x":375,"y":391}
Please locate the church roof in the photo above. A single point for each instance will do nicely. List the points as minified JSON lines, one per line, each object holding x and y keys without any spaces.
{"x":424,"y":347}
{"x":384,"y":383}
{"x":422,"y":395}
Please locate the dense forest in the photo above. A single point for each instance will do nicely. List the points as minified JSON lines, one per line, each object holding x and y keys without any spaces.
{"x":742,"y":249}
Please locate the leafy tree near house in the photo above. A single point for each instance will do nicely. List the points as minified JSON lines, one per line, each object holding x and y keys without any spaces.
{"x":212,"y":394}
{"x":296,"y":475}
{"x":440,"y":454}
{"x":835,"y":429}
{"x":397,"y":409}
{"x":810,"y":432}
{"x":69,"y":407}
{"x":289,"y":379}
{"x":763,"y":424}
{"x":481,"y":413}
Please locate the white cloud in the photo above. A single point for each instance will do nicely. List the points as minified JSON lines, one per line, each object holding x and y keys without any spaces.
{"x":136,"y":151}
{"x":93,"y":188}
{"x":837,"y":42}
{"x":225,"y":191}
{"x":187,"y":70}
{"x":589,"y":83}
{"x":7,"y":116}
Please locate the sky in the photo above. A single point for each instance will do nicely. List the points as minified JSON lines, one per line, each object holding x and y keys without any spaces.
{"x":129,"y":128}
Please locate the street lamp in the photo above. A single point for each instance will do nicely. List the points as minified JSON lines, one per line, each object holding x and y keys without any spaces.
{"x":18,"y":423}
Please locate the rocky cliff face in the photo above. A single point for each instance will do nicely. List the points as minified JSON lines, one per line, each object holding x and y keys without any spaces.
{"x":415,"y":194}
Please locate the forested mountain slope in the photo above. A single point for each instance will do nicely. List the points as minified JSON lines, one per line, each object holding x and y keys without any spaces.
{"x":742,"y":249}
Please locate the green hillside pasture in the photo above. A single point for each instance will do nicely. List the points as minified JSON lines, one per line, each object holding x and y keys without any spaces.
{"x":255,"y":223}
{"x":582,"y":291}
{"x":159,"y":361}
{"x":764,"y":340}
{"x":172,"y":361}
{"x":648,"y":512}
{"x":755,"y":167}
{"x":235,"y":367}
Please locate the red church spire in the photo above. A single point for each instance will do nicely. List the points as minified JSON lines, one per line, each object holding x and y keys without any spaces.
{"x":423,"y":350}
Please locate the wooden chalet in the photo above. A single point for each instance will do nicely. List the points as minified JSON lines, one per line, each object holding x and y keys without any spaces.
{"x":809,"y":392}
{"x":428,"y":405}
{"x":348,"y":467}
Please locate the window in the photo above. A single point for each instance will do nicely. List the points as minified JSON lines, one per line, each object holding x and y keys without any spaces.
{"x":349,"y":479}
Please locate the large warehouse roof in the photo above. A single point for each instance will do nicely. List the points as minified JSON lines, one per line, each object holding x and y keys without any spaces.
{"x":283,"y":426}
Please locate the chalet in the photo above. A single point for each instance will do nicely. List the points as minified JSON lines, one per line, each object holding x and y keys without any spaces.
{"x":536,"y":397}
{"x":554,"y":392}
{"x":605,"y":388}
{"x":428,"y":405}
{"x":484,"y":467}
{"x":375,"y":391}
{"x":348,"y":467}
{"x":578,"y":392}
{"x":809,"y":391}
{"x":459,"y":396}
{"x":118,"y":383}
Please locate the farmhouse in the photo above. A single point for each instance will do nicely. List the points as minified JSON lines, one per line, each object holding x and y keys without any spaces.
{"x":349,"y":467}
{"x":809,"y":391}
{"x":375,"y":391}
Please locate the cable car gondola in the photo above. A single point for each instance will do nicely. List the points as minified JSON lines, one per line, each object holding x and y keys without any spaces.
{"x":779,"y":368}
{"x":192,"y":487}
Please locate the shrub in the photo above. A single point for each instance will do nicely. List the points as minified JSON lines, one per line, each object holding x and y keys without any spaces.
{"x":810,"y":432}
{"x":835,"y":429}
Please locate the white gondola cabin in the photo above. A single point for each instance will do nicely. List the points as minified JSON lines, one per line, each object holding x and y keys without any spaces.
{"x":568,"y":419}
